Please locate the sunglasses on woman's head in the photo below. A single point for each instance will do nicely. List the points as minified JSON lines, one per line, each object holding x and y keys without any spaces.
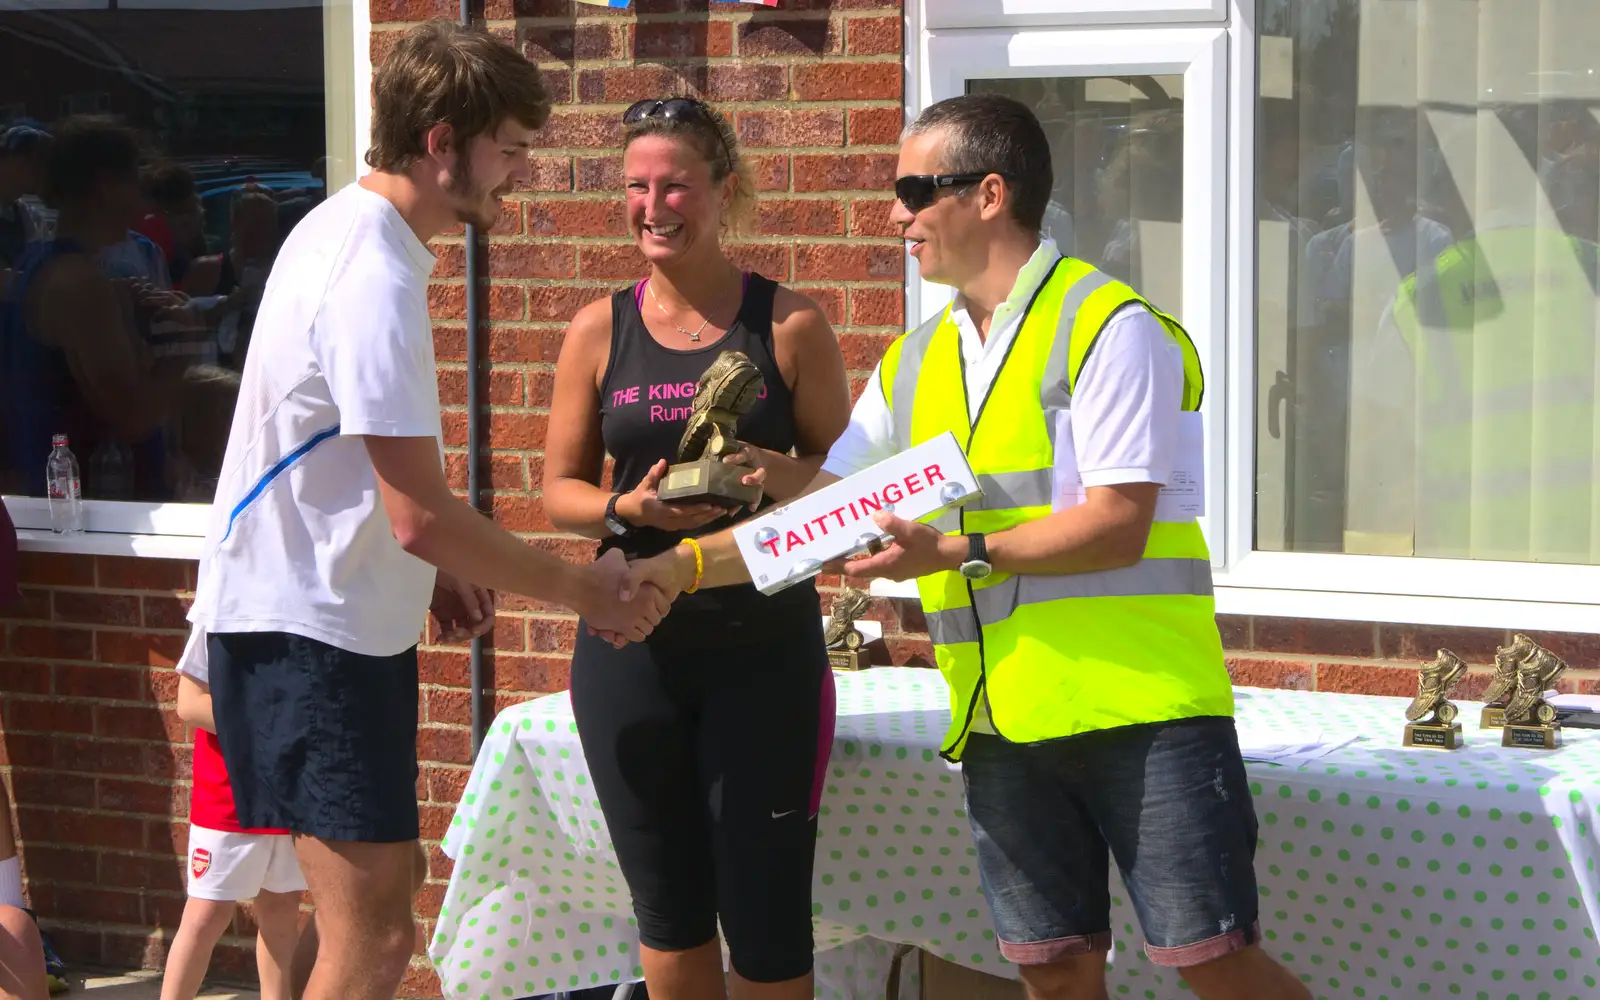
{"x":917,"y":191}
{"x":679,"y":109}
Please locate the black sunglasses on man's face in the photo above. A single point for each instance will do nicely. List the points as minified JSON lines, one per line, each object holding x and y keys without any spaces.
{"x":682,"y":109}
{"x":917,"y":191}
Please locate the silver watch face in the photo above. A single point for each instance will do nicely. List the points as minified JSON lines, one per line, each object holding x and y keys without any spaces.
{"x":975,"y":569}
{"x":616,"y":526}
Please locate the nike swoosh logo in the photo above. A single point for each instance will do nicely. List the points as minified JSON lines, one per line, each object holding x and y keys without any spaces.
{"x":781,"y":815}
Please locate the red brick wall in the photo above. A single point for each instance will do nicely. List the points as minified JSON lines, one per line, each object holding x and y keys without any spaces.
{"x":98,"y":763}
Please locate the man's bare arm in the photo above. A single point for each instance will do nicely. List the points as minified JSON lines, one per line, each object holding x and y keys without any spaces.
{"x":1107,"y":531}
{"x":431,"y":524}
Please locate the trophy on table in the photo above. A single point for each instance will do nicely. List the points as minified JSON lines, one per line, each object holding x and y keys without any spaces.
{"x":726,"y":392}
{"x":1504,"y":683}
{"x":1432,"y":716}
{"x":1530,"y":721}
{"x":844,"y":641}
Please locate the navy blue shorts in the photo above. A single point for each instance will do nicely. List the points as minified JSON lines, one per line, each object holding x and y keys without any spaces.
{"x":1169,"y":802}
{"x":318,"y":740}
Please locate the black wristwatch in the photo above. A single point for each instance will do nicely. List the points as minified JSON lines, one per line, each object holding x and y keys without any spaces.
{"x":614,"y":521}
{"x":977,"y":565}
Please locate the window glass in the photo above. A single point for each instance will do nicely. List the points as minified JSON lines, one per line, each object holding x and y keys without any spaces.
{"x":153,"y":155}
{"x":1116,"y":144}
{"x":1427,"y":270}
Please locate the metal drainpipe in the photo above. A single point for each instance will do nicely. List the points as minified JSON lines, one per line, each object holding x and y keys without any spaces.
{"x":480,"y":724}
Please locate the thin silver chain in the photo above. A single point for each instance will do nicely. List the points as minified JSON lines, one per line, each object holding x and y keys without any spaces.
{"x":694,"y":337}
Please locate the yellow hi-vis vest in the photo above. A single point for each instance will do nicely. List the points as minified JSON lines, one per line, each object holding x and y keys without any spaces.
{"x":1054,"y":656}
{"x":1501,"y":330}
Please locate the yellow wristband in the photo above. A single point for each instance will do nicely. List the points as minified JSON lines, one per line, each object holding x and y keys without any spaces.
{"x":699,"y":564}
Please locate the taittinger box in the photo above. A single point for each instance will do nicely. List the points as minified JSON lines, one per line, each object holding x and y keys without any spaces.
{"x":791,"y":543}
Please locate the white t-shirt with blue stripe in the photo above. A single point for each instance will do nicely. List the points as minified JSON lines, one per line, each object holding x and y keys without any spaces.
{"x":342,"y":347}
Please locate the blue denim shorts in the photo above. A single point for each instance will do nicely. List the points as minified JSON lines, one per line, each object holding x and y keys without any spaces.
{"x":1169,"y":802}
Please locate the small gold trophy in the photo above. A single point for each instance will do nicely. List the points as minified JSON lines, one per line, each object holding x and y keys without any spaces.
{"x":1504,"y":684}
{"x":1432,"y":715}
{"x":1530,"y":720}
{"x":844,"y":641}
{"x":726,"y":392}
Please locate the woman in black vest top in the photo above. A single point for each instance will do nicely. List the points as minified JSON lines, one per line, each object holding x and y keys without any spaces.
{"x":707,"y":742}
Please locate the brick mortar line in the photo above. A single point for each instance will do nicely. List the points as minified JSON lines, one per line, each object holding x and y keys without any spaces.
{"x":582,"y":282}
{"x":793,"y":105}
{"x":98,"y":589}
{"x":576,"y":242}
{"x":735,"y":57}
{"x":686,"y":17}
{"x":67,"y":661}
{"x":770,"y":194}
{"x":735,"y":107}
{"x":649,"y":17}
{"x":1387,"y":662}
{"x":100,"y":740}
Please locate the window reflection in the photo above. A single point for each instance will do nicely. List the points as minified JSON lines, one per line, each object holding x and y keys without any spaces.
{"x":1117,"y":147}
{"x":1428,"y":182}
{"x":153,"y":155}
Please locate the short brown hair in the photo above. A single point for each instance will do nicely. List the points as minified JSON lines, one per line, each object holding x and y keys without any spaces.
{"x":442,"y":73}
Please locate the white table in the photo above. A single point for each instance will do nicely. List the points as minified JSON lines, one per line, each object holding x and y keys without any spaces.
{"x":1385,"y":872}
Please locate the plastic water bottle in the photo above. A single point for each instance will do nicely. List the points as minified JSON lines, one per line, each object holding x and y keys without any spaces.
{"x":64,"y":488}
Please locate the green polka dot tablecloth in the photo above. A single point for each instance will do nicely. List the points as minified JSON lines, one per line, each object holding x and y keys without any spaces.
{"x":1385,"y":873}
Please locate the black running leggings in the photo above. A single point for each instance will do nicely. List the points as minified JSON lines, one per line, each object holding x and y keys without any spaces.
{"x":708,"y":761}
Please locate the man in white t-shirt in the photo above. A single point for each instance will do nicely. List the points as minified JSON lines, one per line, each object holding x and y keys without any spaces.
{"x":1073,"y":620}
{"x":334,"y":531}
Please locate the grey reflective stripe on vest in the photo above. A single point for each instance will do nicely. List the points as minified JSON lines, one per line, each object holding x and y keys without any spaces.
{"x":1005,"y":490}
{"x":1145,"y":578}
{"x":913,"y":351}
{"x":947,"y":628}
{"x":1055,"y":394}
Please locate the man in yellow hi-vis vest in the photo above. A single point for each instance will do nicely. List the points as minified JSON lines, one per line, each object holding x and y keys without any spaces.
{"x":1091,"y":711}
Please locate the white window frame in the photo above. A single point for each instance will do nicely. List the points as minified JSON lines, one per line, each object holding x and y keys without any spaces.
{"x":943,"y":60}
{"x":1451,"y":592}
{"x":175,"y":530}
{"x":1072,"y":37}
{"x":1025,"y":13}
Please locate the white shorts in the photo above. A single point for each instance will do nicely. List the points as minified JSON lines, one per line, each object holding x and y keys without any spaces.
{"x":228,"y":867}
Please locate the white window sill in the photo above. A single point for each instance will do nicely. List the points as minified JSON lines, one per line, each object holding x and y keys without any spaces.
{"x":110,"y":543}
{"x":1329,"y":605}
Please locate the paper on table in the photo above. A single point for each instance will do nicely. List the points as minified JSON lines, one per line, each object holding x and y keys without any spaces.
{"x":1278,"y":747}
{"x":1582,"y":702}
{"x":1181,"y":499}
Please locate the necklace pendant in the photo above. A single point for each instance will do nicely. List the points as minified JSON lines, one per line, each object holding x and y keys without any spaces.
{"x":694,"y":338}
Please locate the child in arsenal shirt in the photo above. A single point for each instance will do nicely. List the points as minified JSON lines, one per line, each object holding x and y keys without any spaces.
{"x":227,"y":865}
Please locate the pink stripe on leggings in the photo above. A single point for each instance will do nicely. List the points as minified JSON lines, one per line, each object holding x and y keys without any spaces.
{"x":825,"y":724}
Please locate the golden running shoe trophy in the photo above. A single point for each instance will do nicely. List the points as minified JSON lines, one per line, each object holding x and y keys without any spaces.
{"x":726,"y":392}
{"x":846,"y":645}
{"x":1530,"y":720}
{"x":1504,"y":684}
{"x":1432,"y":715}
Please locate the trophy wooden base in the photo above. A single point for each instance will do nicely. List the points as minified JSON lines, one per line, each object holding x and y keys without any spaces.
{"x":1494,"y":716}
{"x":1436,"y":736}
{"x":848,"y":659}
{"x":1532,"y":737}
{"x":708,"y":480}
